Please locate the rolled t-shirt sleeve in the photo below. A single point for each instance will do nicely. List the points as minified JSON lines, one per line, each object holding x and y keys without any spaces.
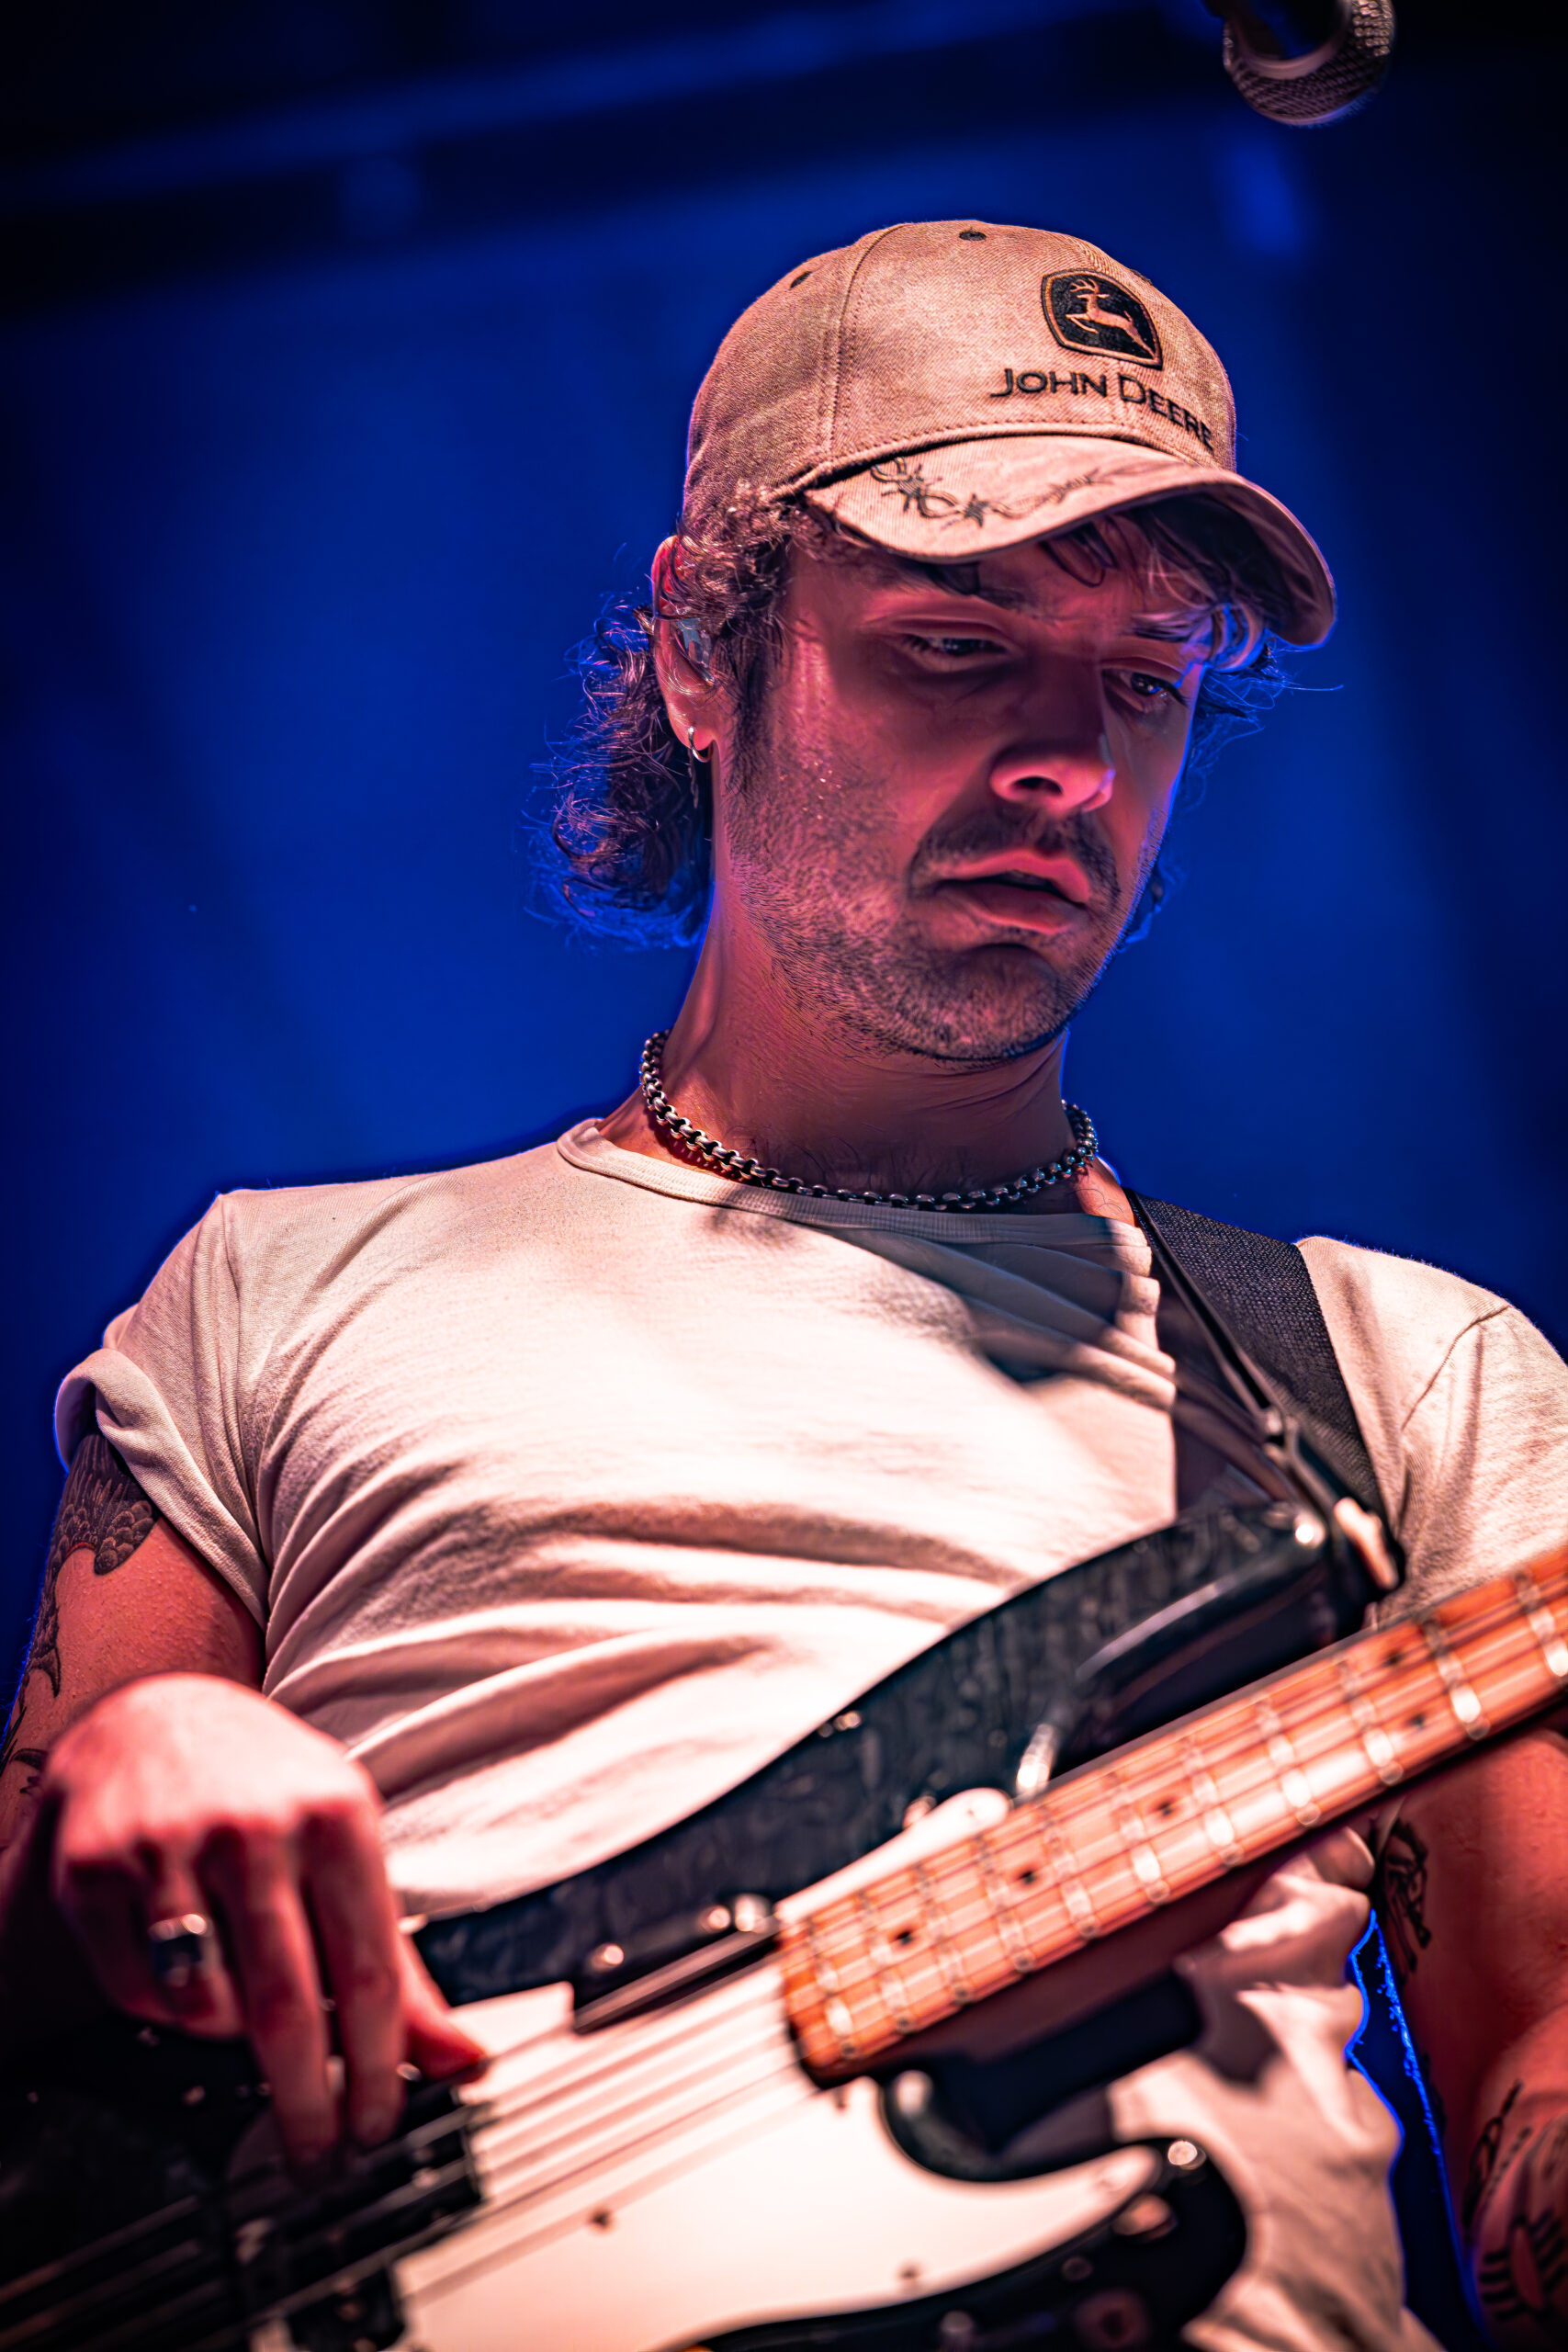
{"x":164,"y":1389}
{"x":1463,"y":1405}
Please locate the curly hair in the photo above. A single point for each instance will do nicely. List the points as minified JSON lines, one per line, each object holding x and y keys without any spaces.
{"x":625,"y":854}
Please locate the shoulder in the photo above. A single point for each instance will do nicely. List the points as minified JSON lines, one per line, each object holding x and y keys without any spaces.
{"x":1463,"y":1405}
{"x":317,"y":1232}
{"x":262,"y":1262}
{"x":1396,"y":1321}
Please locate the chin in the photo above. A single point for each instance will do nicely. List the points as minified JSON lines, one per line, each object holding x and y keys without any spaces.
{"x":976,"y":1026}
{"x":1001,"y":1015}
{"x":995,"y":1003}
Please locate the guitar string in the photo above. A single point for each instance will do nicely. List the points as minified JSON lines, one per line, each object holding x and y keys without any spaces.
{"x":505,"y":2195}
{"x":711,"y":2031}
{"x":631,"y":2083}
{"x":1509,"y":1617}
{"x":518,"y":2180}
{"x":478,"y":2261}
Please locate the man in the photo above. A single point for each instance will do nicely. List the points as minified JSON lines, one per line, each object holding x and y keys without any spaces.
{"x":545,"y":1501}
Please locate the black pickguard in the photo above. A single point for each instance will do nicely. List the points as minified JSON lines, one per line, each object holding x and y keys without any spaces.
{"x":1104,"y":1652}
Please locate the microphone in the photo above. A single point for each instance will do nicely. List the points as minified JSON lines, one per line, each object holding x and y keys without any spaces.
{"x":1306,"y":62}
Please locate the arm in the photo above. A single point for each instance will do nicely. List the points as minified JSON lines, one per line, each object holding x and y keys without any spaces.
{"x":123,"y":1597}
{"x":1473,"y":1901}
{"x":143,"y":1777}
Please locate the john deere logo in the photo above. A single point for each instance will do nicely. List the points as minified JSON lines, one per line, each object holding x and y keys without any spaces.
{"x":1088,"y":312}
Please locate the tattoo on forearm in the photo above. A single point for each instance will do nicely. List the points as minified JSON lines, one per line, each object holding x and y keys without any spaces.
{"x":1484,"y":2158}
{"x":1520,"y":2244}
{"x":1403,"y":1904}
{"x":102,"y":1510}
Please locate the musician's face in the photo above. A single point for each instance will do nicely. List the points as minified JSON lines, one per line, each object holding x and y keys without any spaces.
{"x":950,"y":804}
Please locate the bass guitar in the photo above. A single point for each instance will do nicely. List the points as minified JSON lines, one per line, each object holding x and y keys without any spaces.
{"x":801,"y":2107}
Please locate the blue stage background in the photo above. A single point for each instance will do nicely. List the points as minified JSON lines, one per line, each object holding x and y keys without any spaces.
{"x":295,"y":546}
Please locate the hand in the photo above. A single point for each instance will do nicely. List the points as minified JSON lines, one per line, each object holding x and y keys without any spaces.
{"x":185,"y":1794}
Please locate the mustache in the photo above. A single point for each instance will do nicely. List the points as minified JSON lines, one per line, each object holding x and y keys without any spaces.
{"x":941,"y":853}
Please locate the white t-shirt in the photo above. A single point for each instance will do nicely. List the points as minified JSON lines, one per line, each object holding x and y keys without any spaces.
{"x":571,"y":1489}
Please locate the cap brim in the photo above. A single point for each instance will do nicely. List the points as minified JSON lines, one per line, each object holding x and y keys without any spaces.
{"x":951,"y":504}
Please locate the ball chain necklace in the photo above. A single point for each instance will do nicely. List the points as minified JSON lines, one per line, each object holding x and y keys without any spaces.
{"x":719,"y":1156}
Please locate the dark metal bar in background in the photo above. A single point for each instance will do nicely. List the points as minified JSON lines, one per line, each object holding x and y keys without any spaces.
{"x":670,"y":70}
{"x":456,"y":151}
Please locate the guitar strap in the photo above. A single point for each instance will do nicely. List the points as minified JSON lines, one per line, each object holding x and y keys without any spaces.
{"x":1260,"y":1303}
{"x":1254,"y":1296}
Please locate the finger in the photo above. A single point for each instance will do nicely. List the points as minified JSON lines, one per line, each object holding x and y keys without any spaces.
{"x":438,"y":2043}
{"x":182,"y":1949}
{"x":273,"y":1955}
{"x":356,"y":1934}
{"x":112,"y":1908}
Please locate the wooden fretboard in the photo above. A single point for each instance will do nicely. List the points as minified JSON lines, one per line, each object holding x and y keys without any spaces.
{"x":1117,"y":1839}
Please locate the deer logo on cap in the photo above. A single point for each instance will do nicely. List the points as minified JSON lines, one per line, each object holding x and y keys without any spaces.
{"x":1088,"y":312}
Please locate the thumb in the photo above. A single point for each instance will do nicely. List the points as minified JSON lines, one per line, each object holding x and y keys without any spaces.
{"x":437,"y":2044}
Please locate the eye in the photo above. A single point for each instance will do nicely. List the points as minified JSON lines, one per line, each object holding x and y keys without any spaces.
{"x":953,"y":650}
{"x":1155,"y":696}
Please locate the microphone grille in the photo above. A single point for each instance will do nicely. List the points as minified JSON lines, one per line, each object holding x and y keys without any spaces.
{"x":1331,"y":84}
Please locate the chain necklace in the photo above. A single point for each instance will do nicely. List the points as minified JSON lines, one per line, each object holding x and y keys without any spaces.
{"x":719,"y":1156}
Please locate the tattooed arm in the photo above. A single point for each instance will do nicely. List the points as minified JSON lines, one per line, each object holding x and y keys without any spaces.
{"x":123,"y":1597}
{"x":142,"y":1781}
{"x":1473,"y":1901}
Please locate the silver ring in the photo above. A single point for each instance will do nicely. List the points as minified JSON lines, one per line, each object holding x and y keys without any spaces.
{"x":178,"y":1949}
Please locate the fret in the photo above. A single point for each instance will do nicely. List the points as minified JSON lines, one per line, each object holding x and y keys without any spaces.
{"x":1542,"y":1624}
{"x":827,"y":1975}
{"x":1292,"y":1782}
{"x":1375,"y":1741}
{"x":1005,"y":1908}
{"x":1081,"y":1913}
{"x":958,"y":1890}
{"x":888,"y":1971}
{"x":947,"y":1956}
{"x":1218,"y":1827}
{"x":835,"y":2013}
{"x":1468,"y":1711}
{"x":843,"y":2025}
{"x":1138,"y":1849}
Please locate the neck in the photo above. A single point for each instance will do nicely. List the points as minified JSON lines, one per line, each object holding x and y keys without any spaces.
{"x":755,"y":1068}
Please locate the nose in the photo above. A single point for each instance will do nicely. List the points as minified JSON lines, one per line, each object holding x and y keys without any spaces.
{"x":1059,"y":755}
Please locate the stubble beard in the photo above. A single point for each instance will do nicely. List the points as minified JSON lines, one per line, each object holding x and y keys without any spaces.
{"x":842,"y":930}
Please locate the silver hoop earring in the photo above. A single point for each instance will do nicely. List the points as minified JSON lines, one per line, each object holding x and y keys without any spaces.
{"x":698,"y":760}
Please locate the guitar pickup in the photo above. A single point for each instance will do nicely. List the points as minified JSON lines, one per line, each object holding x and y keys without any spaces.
{"x":664,"y":1961}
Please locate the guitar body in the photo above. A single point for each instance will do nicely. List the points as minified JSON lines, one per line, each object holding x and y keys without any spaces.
{"x":715,"y":2196}
{"x":672,"y":2181}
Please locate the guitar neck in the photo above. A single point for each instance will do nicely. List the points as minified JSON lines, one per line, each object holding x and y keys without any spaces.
{"x":1116,"y":1841}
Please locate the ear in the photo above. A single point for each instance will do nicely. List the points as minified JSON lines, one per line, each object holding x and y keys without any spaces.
{"x":682,"y":658}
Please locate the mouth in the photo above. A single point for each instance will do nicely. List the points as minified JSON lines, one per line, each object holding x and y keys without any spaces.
{"x":1027,"y":893}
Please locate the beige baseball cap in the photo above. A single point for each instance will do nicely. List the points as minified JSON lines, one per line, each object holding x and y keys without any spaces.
{"x":946,"y":387}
